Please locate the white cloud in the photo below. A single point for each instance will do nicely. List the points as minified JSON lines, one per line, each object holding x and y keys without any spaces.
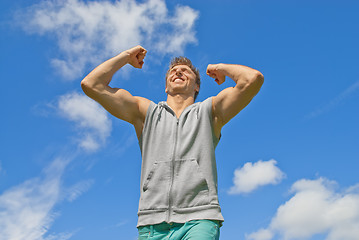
{"x":60,"y":236}
{"x":78,"y":189}
{"x":26,"y":210}
{"x":90,"y":118}
{"x":90,"y":31}
{"x":182,"y":34}
{"x":315,"y":208}
{"x":252,"y":176}
{"x":262,"y":234}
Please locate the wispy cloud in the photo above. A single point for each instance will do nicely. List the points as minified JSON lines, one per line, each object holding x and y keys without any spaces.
{"x":59,"y":236}
{"x":315,"y":208}
{"x":89,"y":117}
{"x":254,"y":175}
{"x":78,"y":189}
{"x":86,"y":32}
{"x":26,"y":209}
{"x":335,"y":102}
{"x":119,"y":224}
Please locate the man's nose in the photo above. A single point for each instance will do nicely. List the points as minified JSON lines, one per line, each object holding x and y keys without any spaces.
{"x":178,"y":72}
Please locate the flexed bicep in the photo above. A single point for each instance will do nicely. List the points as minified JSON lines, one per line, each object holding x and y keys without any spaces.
{"x":121,"y":104}
{"x":230,"y":101}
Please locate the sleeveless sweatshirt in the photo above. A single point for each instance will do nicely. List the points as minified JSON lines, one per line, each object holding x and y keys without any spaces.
{"x":179,"y":173}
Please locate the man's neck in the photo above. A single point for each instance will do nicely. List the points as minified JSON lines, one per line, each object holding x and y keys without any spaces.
{"x":179,"y":102}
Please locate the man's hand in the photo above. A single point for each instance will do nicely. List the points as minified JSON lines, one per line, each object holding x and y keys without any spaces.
{"x":136,"y":56}
{"x":213,"y":70}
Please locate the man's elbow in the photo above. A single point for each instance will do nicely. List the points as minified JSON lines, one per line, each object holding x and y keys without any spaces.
{"x":257,"y":80}
{"x":87,"y":87}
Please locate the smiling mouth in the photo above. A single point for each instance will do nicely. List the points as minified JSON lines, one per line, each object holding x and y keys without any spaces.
{"x":178,"y":80}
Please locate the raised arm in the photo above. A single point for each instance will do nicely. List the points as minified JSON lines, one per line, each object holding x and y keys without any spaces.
{"x":230,"y":101}
{"x":117,"y":101}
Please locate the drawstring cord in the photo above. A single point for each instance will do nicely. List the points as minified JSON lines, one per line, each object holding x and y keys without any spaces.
{"x":159,"y":114}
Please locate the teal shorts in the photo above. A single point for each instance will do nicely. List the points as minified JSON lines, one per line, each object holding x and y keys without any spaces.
{"x":192,"y":230}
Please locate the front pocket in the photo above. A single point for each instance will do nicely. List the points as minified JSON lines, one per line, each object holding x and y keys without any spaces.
{"x":154,"y":194}
{"x":189,"y":188}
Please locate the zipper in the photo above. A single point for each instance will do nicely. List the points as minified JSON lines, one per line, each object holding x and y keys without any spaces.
{"x":172,"y":172}
{"x":164,"y":104}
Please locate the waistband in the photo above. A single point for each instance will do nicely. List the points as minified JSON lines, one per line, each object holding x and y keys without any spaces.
{"x":167,"y":226}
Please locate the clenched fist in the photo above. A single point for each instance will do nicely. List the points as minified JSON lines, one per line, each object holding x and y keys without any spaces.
{"x":213,"y":70}
{"x":136,"y":56}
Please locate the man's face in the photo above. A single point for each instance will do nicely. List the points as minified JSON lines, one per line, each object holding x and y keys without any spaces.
{"x":181,"y":79}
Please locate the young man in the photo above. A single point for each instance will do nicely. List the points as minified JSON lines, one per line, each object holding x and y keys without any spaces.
{"x":177,"y":138}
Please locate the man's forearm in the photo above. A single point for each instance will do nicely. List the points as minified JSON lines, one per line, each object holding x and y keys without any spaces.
{"x":102,"y":74}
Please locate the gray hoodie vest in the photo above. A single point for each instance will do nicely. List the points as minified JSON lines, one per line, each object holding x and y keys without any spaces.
{"x":179,"y":173}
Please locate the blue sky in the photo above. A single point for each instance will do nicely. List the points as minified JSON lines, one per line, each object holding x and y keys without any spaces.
{"x":287,"y":164}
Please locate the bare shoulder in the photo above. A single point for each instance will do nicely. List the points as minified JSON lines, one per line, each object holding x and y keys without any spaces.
{"x":217,"y":121}
{"x":138,"y":123}
{"x":143,"y":104}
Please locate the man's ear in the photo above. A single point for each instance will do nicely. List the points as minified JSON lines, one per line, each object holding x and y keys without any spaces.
{"x":197,"y":88}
